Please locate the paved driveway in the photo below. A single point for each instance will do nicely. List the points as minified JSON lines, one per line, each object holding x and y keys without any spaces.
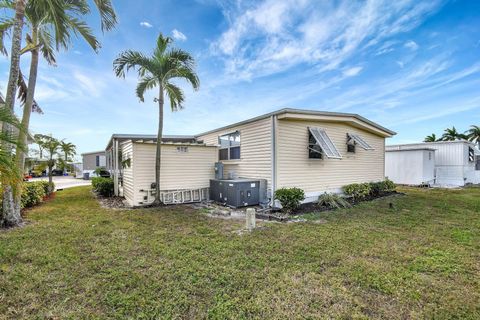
{"x":65,"y":182}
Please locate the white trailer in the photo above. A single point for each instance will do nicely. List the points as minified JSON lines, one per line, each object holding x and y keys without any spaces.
{"x":411,"y":166}
{"x":456,"y":162}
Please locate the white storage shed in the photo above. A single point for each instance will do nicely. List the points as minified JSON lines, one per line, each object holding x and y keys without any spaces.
{"x":414,"y":166}
{"x":456,"y":162}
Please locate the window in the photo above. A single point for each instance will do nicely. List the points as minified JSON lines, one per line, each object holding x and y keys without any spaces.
{"x":355,"y":139}
{"x":314,"y":150}
{"x":97,"y":161}
{"x":323,"y":141}
{"x":477,"y":163}
{"x":351,"y":148}
{"x":471,"y":154}
{"x":229,"y":146}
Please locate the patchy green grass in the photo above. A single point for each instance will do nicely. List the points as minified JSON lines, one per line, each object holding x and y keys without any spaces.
{"x":75,"y":260}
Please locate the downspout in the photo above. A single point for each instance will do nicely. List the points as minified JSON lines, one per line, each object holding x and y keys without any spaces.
{"x":115,"y":167}
{"x":274,"y":157}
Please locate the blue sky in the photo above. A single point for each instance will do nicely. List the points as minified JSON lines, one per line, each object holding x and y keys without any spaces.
{"x":412,"y":66}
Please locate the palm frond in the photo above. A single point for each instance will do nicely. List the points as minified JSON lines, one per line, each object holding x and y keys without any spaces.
{"x":79,"y":27}
{"x":22,"y":94}
{"x":131,"y":59}
{"x":430,"y":138}
{"x":107,"y":14}
{"x":53,"y":12}
{"x":8,"y":118}
{"x":175,"y":95}
{"x":181,"y":57}
{"x":187,"y":74}
{"x":162,"y":45}
{"x":6,"y":24}
{"x":146,"y":83}
{"x":45,"y":39}
{"x":7,"y":4}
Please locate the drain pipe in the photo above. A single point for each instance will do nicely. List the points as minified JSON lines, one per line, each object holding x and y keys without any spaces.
{"x":274,"y":157}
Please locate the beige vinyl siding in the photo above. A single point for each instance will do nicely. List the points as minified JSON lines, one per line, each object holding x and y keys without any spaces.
{"x":295,"y":169}
{"x":255,"y":150}
{"x":189,"y":170}
{"x":128,"y":182}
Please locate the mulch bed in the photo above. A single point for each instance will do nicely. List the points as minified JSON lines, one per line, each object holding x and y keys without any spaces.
{"x":275,"y":214}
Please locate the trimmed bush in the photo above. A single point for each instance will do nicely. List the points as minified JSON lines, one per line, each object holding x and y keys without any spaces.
{"x":389,"y":185}
{"x":380,"y":187}
{"x":47,"y":187}
{"x":104,"y":186}
{"x":376,"y":188}
{"x":290,"y":198}
{"x":32,"y":194}
{"x":357,"y":190}
{"x":333,"y":201}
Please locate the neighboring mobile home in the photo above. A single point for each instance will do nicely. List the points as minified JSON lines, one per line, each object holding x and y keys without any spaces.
{"x":456,"y":163}
{"x":92,"y":161}
{"x":312,"y":150}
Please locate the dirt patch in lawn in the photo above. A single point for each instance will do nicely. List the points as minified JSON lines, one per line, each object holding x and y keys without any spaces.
{"x":116,"y":203}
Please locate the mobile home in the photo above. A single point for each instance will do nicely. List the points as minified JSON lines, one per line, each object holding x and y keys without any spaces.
{"x":312,"y":150}
{"x":456,"y":162}
{"x":91,"y":161}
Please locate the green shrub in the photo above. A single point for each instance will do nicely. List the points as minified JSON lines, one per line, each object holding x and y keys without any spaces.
{"x":380,"y":187}
{"x":47,"y":187}
{"x":32,"y":194}
{"x":389,"y":185}
{"x":333,"y":201}
{"x":104,"y":186}
{"x":95,"y":181}
{"x":290,"y":198}
{"x":376,"y":188}
{"x":357,"y":190}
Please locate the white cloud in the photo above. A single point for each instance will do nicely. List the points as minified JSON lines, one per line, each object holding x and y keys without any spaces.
{"x":178,"y":35}
{"x":351,"y":72}
{"x":273,"y":36}
{"x":386,"y":48}
{"x":146,"y":24}
{"x":412,"y":45}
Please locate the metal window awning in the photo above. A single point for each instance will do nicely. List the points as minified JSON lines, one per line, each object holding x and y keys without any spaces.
{"x":324,"y":141}
{"x":358,"y":140}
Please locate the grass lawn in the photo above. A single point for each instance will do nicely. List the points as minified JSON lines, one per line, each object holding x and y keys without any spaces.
{"x":77,"y":260}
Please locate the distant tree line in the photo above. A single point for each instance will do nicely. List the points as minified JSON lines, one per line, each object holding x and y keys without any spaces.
{"x":452,"y":134}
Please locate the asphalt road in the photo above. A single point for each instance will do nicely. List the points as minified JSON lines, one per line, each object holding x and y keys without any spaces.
{"x":65,"y":182}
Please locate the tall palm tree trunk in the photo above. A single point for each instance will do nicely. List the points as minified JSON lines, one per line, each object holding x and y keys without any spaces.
{"x":10,"y":217}
{"x":157,"y":200}
{"x":27,"y":111}
{"x":65,"y":164}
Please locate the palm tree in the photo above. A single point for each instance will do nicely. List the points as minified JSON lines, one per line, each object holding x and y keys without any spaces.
{"x":69,"y":150}
{"x":9,"y":216}
{"x":430,"y":138}
{"x":51,"y":145}
{"x":473,"y":134}
{"x":39,"y":140}
{"x":158,"y":70}
{"x":9,"y":172}
{"x":51,"y":25}
{"x":451,"y":134}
